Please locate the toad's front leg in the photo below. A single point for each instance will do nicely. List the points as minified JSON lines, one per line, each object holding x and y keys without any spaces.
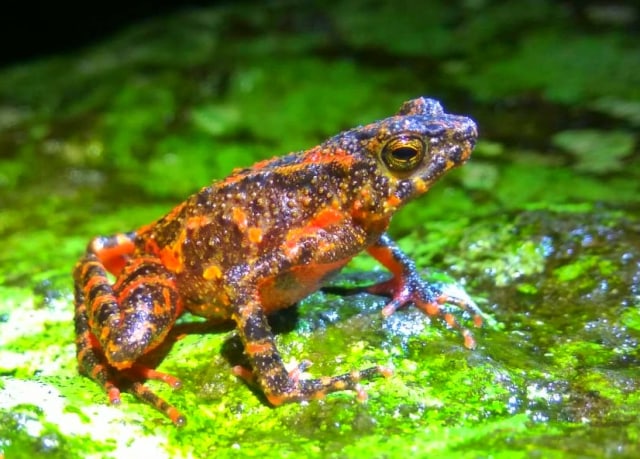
{"x":322,"y":247}
{"x":277,"y":383}
{"x":118,"y":324}
{"x":406,"y":286}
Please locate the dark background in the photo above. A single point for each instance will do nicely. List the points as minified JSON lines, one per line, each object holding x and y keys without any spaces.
{"x":29,"y":30}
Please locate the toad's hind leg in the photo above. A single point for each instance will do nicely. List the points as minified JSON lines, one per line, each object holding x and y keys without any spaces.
{"x":278,"y":384}
{"x":116,"y":325}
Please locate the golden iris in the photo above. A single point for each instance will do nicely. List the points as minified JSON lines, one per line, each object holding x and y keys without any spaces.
{"x":403,"y":153}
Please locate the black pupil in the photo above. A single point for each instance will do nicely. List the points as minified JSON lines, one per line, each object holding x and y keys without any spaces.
{"x":404,"y":153}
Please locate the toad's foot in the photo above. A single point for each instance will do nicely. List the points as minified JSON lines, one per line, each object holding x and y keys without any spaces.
{"x":300,"y":387}
{"x":133,"y":377}
{"x":430,"y":298}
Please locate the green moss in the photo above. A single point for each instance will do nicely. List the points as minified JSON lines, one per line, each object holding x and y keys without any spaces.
{"x":137,"y":115}
{"x":430,"y":212}
{"x":25,"y":432}
{"x":583,"y":267}
{"x":596,"y":151}
{"x":10,"y":174}
{"x":217,"y":119}
{"x":387,"y":27}
{"x":110,"y":138}
{"x":288,"y":90}
{"x":631,"y":318}
{"x":496,"y":248}
{"x":193,"y":162}
{"x":570,"y":356}
{"x":528,"y":184}
{"x":626,"y":109}
{"x":563,"y":67}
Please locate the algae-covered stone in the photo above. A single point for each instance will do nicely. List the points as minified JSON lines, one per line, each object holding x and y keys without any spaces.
{"x":111,"y":137}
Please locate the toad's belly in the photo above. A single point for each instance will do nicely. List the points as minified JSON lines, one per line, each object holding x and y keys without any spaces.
{"x":296,"y":283}
{"x":209,"y":298}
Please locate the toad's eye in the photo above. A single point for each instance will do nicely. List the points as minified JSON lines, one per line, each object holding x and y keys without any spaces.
{"x":403,"y":153}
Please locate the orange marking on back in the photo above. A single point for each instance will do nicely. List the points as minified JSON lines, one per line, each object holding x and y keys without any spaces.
{"x":255,"y":235}
{"x":212,"y":272}
{"x":197,"y":221}
{"x":326,"y":217}
{"x":315,"y":156}
{"x":239,"y":218}
{"x":260,"y":164}
{"x":145,"y":229}
{"x":175,"y":211}
{"x":323,"y":219}
{"x":231,"y":179}
{"x":318,"y":155}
